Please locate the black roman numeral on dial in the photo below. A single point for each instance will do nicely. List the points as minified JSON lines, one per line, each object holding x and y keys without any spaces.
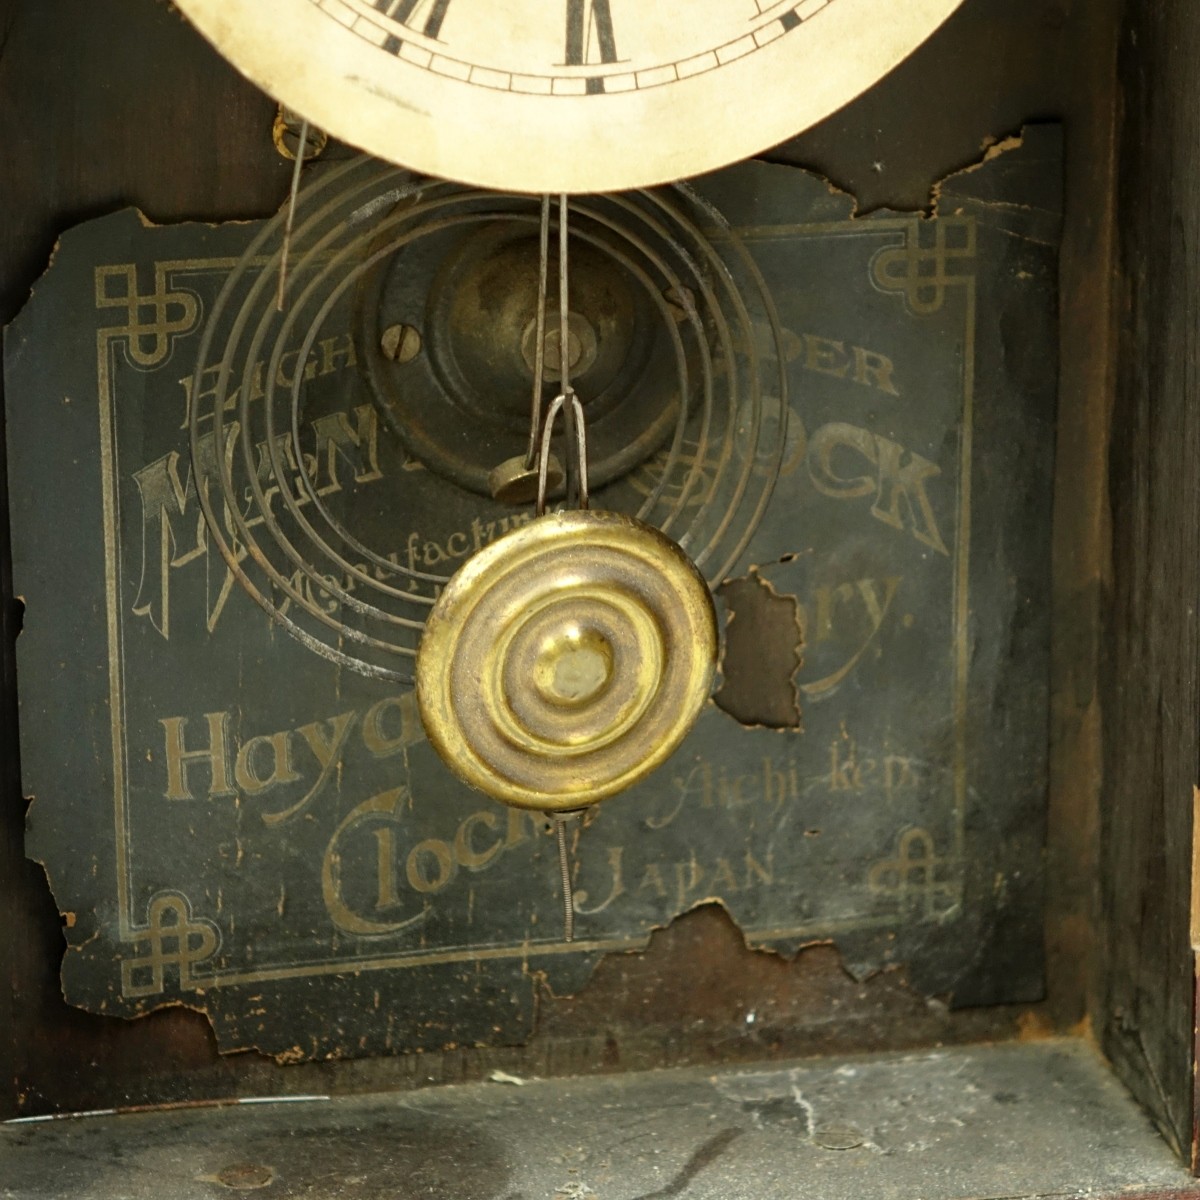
{"x":404,"y":10}
{"x":585,"y":17}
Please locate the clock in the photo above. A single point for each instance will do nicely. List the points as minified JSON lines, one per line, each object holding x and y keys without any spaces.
{"x":565,"y":95}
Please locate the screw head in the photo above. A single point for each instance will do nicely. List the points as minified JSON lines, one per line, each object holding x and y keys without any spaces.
{"x":838,"y":1137}
{"x":400,"y":343}
{"x":245,"y":1177}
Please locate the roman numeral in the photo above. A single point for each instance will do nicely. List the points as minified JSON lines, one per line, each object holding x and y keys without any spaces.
{"x":404,"y":10}
{"x":584,"y":18}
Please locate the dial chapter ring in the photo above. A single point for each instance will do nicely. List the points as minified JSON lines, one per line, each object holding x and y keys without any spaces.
{"x":567,"y":660}
{"x":493,"y":100}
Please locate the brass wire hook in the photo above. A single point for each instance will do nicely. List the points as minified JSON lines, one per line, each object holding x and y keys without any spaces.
{"x":572,"y":409}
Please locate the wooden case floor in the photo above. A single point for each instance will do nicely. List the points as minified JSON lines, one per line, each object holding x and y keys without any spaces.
{"x":1011,"y":1120}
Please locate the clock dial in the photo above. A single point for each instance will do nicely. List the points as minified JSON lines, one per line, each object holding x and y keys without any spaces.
{"x":565,"y":95}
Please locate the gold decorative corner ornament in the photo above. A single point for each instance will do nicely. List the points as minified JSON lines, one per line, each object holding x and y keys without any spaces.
{"x":567,"y":660}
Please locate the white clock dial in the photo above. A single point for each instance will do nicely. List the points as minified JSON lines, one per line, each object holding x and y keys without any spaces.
{"x":565,"y":95}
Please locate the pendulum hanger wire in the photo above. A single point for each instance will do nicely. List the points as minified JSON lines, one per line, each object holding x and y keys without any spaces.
{"x":301,"y":145}
{"x":539,"y":351}
{"x":564,"y":358}
{"x":539,"y":447}
{"x":564,"y":365}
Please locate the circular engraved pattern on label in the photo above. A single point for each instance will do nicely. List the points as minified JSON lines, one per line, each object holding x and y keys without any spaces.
{"x":345,"y":538}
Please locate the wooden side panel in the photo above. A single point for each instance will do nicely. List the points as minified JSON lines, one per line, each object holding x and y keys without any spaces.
{"x":1151,"y":665}
{"x":101,"y":105}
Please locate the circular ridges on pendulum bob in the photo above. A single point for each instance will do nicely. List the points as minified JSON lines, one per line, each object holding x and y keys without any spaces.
{"x":567,"y":660}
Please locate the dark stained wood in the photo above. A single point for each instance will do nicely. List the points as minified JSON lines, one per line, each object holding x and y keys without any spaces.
{"x":101,"y":105}
{"x":1081,"y":547}
{"x":117,"y":101}
{"x":12,"y":864}
{"x":1151,"y":661}
{"x":996,"y":66}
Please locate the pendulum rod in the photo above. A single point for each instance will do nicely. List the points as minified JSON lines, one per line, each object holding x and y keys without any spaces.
{"x":569,"y":405}
{"x":564,"y":865}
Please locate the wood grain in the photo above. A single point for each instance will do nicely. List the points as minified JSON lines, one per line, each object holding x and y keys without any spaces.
{"x":1150,"y":676}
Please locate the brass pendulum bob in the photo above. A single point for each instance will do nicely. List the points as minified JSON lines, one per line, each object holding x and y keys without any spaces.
{"x":569,"y":658}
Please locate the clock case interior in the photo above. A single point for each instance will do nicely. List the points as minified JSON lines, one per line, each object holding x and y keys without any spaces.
{"x":142,"y":112}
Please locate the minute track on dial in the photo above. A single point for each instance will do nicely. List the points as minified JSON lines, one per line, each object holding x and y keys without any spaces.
{"x":413,"y":30}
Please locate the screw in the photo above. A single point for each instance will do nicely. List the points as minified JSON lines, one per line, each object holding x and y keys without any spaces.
{"x":285,"y":133}
{"x":582,"y":346}
{"x":245,"y":1177}
{"x":838,"y":1137}
{"x":553,"y":355}
{"x":679,"y":303}
{"x":400,"y":343}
